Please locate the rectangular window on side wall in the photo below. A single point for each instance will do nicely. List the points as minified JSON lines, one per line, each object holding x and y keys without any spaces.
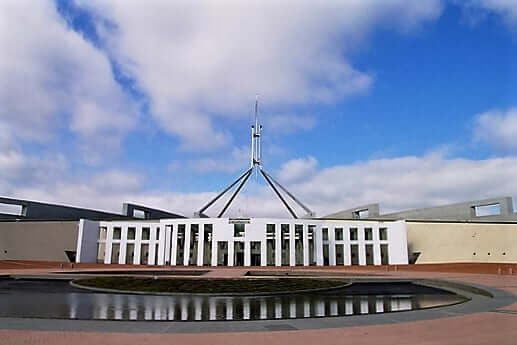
{"x":146,"y":233}
{"x":353,"y":234}
{"x":368,"y":234}
{"x":103,"y":231}
{"x":117,"y":233}
{"x":131,"y":233}
{"x":325,"y":234}
{"x":383,"y":234}
{"x":339,"y":234}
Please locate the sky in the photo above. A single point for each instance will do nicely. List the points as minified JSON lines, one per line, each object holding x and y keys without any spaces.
{"x":405,"y":103}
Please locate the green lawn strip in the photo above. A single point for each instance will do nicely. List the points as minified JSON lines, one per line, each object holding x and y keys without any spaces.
{"x":178,"y":285}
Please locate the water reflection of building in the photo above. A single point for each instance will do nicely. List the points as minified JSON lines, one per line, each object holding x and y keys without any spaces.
{"x":243,"y":242}
{"x":188,"y":308}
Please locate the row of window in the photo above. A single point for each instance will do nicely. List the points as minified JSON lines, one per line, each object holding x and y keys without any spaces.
{"x":354,"y":234}
{"x":239,"y":229}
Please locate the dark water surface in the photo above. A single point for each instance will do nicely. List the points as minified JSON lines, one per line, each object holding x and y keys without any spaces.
{"x":57,"y":299}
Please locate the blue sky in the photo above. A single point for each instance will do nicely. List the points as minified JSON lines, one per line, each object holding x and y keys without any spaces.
{"x":408,"y":104}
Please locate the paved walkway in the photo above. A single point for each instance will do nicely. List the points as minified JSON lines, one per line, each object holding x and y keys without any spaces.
{"x":494,"y":327}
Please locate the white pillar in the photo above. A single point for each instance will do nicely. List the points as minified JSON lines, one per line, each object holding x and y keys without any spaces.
{"x":318,"y":243}
{"x":305,"y":245}
{"x":174,"y":244}
{"x":247,"y":253}
{"x":292,"y":247}
{"x":200,"y":244}
{"x":186,"y":251}
{"x":278,"y":245}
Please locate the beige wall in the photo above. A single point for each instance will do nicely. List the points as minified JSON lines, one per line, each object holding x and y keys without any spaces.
{"x":457,"y":242}
{"x":37,"y":240}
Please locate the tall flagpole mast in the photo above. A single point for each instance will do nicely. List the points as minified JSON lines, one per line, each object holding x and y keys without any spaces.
{"x":256,"y":165}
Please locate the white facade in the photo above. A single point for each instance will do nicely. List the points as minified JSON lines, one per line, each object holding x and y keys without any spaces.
{"x":243,"y":242}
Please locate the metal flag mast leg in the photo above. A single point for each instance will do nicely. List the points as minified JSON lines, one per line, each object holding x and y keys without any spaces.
{"x":256,"y":164}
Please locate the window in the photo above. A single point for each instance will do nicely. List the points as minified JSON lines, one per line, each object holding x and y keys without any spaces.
{"x":270,"y":231}
{"x":116,"y":233}
{"x":368,"y":234}
{"x":238,"y":230}
{"x":486,"y":210}
{"x":325,"y":233}
{"x":131,"y":233}
{"x":102,"y":233}
{"x":383,"y":234}
{"x":353,"y":234}
{"x":339,"y":234}
{"x":146,"y":233}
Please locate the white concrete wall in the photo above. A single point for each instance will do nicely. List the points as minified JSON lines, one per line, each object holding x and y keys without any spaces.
{"x":87,"y":234}
{"x":255,"y":231}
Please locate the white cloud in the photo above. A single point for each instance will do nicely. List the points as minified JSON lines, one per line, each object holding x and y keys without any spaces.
{"x":52,"y":78}
{"x":498,"y":128}
{"x":507,"y":9}
{"x":198,"y":60}
{"x":237,"y":160}
{"x":296,"y":170}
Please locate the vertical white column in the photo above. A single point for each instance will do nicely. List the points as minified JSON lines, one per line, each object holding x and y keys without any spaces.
{"x":318,"y":243}
{"x":247,"y":252}
{"x":230,"y":252}
{"x":138,"y":245}
{"x":263,"y":251}
{"x":376,"y":246}
{"x":200,"y":244}
{"x":361,"y":246}
{"x":332,"y":245}
{"x":292,"y":248}
{"x":186,"y":251}
{"x":167,"y":251}
{"x":174,"y":243}
{"x":152,"y":246}
{"x":161,"y":245}
{"x":123,"y":245}
{"x":346,"y":247}
{"x":109,"y":243}
{"x":305,"y":245}
{"x":278,"y":245}
{"x":214,"y":246}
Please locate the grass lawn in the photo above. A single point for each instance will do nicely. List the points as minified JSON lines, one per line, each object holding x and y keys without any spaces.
{"x":180,"y":285}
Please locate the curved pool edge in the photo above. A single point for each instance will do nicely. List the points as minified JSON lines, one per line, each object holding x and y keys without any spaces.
{"x":478,"y":303}
{"x":222,"y":294}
